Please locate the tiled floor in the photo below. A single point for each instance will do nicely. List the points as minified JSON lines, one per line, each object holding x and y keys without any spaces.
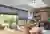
{"x":8,"y":31}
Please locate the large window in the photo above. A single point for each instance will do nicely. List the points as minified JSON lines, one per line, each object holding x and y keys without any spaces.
{"x":8,"y":19}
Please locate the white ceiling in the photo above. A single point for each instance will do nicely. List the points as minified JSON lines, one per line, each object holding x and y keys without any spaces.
{"x":15,"y":2}
{"x":20,"y":3}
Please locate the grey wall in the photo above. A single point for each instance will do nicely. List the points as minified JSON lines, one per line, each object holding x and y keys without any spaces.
{"x":47,"y":2}
{"x":21,"y":14}
{"x":7,"y":10}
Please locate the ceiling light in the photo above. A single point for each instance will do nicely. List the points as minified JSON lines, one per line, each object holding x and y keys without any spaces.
{"x":1,"y":14}
{"x":38,"y":4}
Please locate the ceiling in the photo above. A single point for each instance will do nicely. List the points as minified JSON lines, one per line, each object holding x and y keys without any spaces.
{"x":16,"y":3}
{"x":20,"y":3}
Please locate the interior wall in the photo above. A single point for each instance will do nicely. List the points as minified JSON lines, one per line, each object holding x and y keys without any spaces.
{"x":47,"y":2}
